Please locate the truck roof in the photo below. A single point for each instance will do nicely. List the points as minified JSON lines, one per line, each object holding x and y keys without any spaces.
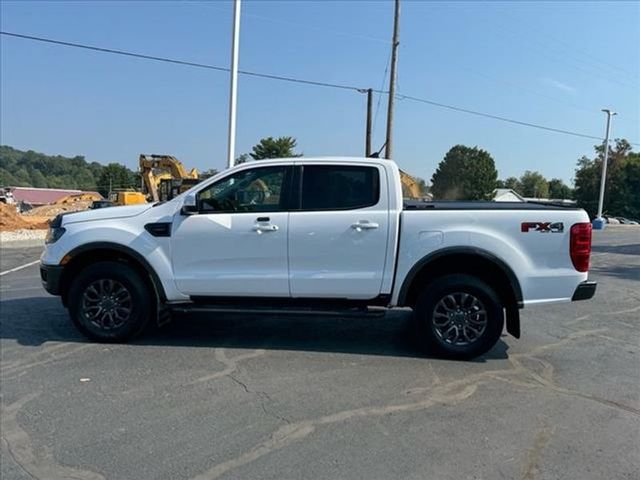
{"x":327,"y":159}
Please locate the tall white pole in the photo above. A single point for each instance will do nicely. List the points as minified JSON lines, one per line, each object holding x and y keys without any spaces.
{"x":235,"y":47}
{"x":603,"y":180}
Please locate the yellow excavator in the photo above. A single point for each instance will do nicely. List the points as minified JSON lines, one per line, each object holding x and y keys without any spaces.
{"x":410,"y":187}
{"x":126,"y":196}
{"x":164,"y":177}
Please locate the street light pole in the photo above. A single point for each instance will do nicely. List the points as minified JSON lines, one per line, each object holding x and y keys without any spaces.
{"x":235,"y":47}
{"x":603,"y":180}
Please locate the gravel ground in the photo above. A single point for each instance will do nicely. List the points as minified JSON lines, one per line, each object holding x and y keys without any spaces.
{"x":240,"y":397}
{"x":22,"y":238}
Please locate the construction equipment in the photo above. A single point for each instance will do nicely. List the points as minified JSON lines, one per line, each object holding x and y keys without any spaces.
{"x":6,"y":196}
{"x":126,"y":197}
{"x":410,"y":187}
{"x":164,"y":177}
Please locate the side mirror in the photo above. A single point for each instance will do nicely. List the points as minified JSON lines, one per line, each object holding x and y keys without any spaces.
{"x":190,"y":205}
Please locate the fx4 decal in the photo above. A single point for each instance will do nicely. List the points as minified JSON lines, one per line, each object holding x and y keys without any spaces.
{"x":556,"y":227}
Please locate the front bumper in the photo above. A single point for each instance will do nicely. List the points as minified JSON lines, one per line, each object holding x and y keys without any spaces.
{"x":51,"y":275}
{"x":584,"y":291}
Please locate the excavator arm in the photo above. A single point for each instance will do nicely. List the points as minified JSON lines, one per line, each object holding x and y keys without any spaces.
{"x":410,"y":187}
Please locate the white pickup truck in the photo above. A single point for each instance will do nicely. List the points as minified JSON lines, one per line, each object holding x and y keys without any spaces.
{"x":318,"y":235}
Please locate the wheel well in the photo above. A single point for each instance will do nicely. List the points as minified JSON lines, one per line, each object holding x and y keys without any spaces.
{"x":85,"y":258}
{"x":486,"y":269}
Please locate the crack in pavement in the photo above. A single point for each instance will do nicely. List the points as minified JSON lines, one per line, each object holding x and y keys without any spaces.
{"x":20,"y":447}
{"x":231,"y":365}
{"x":262,"y":396}
{"x":442,"y":394}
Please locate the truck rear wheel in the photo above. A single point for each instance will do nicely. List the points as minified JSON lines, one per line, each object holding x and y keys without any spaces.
{"x":459,"y":316}
{"x":109,"y":302}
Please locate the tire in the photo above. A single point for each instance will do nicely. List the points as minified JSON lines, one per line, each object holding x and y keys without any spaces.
{"x":459,"y":316}
{"x":109,"y":302}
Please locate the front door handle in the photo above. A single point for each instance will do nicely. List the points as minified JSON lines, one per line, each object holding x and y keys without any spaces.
{"x":364,"y":225}
{"x":265,"y":227}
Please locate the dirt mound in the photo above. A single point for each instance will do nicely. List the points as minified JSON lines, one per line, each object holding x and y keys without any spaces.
{"x":11,"y":220}
{"x":51,"y":211}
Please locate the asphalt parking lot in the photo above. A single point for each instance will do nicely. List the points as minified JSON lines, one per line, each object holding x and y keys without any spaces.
{"x":291,"y":398}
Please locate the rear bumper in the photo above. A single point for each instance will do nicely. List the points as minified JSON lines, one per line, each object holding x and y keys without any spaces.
{"x":50,"y":276}
{"x":584,"y":291}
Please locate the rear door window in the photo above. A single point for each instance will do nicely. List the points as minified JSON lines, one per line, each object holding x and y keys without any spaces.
{"x":339,"y":187}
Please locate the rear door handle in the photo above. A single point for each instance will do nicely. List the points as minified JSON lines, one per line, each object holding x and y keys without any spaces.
{"x":364,"y":225}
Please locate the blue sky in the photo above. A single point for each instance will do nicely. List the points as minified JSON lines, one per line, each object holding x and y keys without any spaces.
{"x":553,"y":63}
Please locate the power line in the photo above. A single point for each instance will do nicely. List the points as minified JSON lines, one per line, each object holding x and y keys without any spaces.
{"x":566,"y":59}
{"x":178,"y":62}
{"x":497,"y":117}
{"x":298,"y":80}
{"x":569,"y":47}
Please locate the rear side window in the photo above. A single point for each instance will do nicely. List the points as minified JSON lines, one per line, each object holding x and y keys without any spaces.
{"x":339,"y":187}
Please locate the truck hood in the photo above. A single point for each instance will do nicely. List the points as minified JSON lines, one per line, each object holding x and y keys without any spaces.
{"x":106,"y":213}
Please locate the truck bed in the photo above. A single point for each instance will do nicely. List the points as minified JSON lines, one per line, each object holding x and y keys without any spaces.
{"x":482,"y":205}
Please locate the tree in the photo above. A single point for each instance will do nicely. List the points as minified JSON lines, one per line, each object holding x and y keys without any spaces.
{"x":281,"y":147}
{"x":244,"y":158}
{"x":558,"y":190}
{"x":38,"y":179}
{"x":513,"y":183}
{"x":533,"y":184}
{"x":208,"y":173}
{"x":116,"y":176}
{"x":622,"y":191}
{"x":464,"y":174}
{"x":6,"y":178}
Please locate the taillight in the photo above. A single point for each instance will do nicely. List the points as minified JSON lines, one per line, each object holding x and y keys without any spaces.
{"x":580,"y":246}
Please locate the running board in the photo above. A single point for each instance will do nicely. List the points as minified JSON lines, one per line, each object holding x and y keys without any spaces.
{"x":295,"y":311}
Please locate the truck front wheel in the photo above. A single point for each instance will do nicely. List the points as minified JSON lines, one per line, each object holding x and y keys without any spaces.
{"x":459,"y":316}
{"x":109,"y":302}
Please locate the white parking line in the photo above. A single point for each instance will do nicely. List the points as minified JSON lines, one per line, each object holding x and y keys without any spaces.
{"x":19,"y":268}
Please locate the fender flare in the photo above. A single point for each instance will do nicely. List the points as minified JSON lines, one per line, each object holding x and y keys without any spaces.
{"x":512,"y":313}
{"x":92,"y":246}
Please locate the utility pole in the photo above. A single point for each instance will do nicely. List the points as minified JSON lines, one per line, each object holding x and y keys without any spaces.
{"x":367,"y":149}
{"x":392,"y":79}
{"x":235,"y":47}
{"x":603,"y":180}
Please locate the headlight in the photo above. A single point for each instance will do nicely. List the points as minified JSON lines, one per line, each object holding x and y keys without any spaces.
{"x":55,"y":230}
{"x":53,"y":234}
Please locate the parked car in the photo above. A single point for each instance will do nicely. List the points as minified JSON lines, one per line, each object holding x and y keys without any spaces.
{"x":626,"y":221}
{"x":324,"y":235}
{"x":612,"y":220}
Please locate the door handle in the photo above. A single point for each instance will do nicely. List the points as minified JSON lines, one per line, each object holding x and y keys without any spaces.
{"x":259,"y":229}
{"x":364,"y":225}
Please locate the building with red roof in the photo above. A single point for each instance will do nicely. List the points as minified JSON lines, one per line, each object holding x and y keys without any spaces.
{"x":42,"y":196}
